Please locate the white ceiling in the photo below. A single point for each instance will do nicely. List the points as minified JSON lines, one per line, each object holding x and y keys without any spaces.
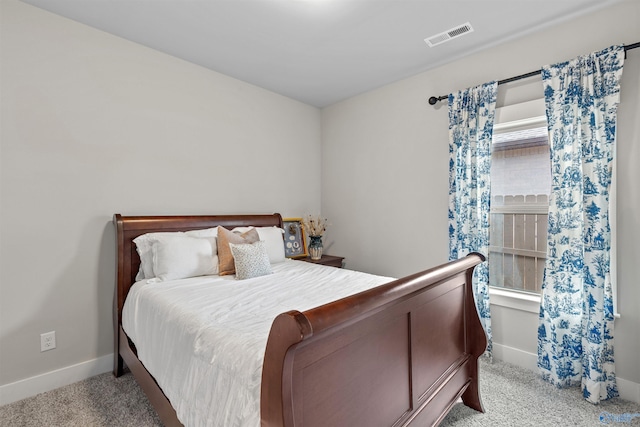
{"x":317,"y":51}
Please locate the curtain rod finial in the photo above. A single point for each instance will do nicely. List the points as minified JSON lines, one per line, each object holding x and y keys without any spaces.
{"x":433,"y":100}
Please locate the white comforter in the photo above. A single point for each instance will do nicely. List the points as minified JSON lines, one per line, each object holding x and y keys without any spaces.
{"x":204,"y":338}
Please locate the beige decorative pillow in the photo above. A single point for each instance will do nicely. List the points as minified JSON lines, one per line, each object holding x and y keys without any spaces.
{"x":226,"y":265}
{"x":273,"y":241}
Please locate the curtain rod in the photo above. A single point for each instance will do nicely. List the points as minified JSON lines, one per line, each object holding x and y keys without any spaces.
{"x":434,"y":99}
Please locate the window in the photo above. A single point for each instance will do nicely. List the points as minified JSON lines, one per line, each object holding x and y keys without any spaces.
{"x":520,"y":186}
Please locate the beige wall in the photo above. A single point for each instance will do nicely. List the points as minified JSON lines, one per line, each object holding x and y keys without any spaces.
{"x":385,"y":172}
{"x":93,"y":125}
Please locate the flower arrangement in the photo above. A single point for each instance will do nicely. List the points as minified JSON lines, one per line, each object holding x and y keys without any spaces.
{"x":314,"y":225}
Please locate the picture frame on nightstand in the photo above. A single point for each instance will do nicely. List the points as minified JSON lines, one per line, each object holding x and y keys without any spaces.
{"x":295,"y":245}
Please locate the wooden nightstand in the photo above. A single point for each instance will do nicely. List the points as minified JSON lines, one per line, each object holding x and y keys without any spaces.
{"x":330,"y":260}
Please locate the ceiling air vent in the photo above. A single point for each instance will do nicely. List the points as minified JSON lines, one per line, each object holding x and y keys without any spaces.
{"x":449,"y":35}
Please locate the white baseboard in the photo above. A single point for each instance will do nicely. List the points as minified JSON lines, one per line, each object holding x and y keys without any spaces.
{"x":628,"y":390}
{"x":515,"y":356}
{"x":51,"y":380}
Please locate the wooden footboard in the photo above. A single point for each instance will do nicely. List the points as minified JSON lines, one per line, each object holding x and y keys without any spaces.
{"x":395,"y":355}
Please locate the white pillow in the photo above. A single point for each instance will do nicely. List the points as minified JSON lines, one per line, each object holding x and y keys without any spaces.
{"x":251,"y":259}
{"x":203,"y":232}
{"x":273,"y":239}
{"x":143,"y":246}
{"x":145,"y":242}
{"x":210,"y":234}
{"x":181,"y":256}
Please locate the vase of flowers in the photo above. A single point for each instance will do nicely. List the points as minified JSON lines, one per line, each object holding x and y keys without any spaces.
{"x":314,"y":226}
{"x":315,"y":247}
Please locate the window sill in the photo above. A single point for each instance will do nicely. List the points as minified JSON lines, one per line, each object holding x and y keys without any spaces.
{"x":516,"y":300}
{"x":519,"y":300}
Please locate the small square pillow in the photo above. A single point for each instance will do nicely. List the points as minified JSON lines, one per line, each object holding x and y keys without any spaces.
{"x":251,"y":260}
{"x":226,"y":265}
{"x":181,"y":256}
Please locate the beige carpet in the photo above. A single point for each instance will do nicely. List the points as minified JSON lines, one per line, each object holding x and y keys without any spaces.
{"x":99,"y":401}
{"x":512,"y":397}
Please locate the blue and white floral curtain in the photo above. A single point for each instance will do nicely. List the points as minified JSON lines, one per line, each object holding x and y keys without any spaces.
{"x":575,"y":335}
{"x":471,"y":118}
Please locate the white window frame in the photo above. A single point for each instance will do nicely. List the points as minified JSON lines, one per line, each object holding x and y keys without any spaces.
{"x":511,"y":118}
{"x":525,"y":116}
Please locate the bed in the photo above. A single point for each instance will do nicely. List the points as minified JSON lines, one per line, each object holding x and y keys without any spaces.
{"x":400,"y":353}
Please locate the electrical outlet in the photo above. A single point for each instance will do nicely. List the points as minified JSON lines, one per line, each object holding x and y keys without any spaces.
{"x":47,"y":341}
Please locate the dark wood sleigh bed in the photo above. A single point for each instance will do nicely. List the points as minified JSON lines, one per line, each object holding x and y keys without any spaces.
{"x":399,"y":354}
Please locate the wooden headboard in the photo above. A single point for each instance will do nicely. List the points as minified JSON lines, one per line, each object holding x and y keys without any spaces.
{"x":129,"y":227}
